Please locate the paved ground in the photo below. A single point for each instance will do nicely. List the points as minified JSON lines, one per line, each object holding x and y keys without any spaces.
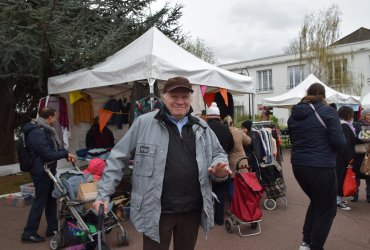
{"x":281,"y":228}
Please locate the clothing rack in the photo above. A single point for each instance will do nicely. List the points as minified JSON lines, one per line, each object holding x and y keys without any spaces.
{"x":263,"y":124}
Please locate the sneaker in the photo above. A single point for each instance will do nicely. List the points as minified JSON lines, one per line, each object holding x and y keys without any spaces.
{"x":32,"y":239}
{"x":304,"y":246}
{"x":344,"y":202}
{"x":343,"y":206}
{"x":354,"y":198}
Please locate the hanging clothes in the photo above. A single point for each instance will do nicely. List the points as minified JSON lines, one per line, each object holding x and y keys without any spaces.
{"x":139,"y":91}
{"x":225,"y":110}
{"x":83,"y":110}
{"x":147,"y":105}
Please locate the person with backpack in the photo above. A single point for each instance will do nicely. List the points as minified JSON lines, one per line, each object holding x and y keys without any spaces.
{"x":43,"y":147}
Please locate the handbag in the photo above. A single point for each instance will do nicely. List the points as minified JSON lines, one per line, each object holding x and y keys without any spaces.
{"x":349,"y":183}
{"x":365,"y":166}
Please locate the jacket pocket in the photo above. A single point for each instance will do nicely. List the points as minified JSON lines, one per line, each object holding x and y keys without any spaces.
{"x":136,"y":201}
{"x":144,"y":159}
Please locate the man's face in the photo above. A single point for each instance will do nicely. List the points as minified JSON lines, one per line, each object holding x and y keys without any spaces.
{"x":178,"y":102}
{"x":52,"y":119}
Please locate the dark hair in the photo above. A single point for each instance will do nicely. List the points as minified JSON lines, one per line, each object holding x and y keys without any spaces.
{"x":247,"y":124}
{"x":315,"y":93}
{"x":345,"y":113}
{"x":46,"y":112}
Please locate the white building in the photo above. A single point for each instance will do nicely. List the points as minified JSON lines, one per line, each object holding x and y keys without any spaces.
{"x":275,"y":75}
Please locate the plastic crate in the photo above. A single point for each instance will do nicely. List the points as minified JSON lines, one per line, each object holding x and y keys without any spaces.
{"x":18,"y":200}
{"x":28,"y":189}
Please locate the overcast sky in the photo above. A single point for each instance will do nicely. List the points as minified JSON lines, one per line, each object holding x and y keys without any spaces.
{"x":238,"y":30}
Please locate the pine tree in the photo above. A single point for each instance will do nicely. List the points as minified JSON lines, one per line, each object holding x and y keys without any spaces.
{"x":44,"y":38}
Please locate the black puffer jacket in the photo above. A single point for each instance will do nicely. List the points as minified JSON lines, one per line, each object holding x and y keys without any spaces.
{"x":312,"y":144}
{"x":41,"y":148}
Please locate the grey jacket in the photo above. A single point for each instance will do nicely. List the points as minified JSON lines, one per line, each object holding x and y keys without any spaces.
{"x":149,"y":138}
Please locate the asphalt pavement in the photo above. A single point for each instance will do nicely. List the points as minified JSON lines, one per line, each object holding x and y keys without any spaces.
{"x":281,"y":227}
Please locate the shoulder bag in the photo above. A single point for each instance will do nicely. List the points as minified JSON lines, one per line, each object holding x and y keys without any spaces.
{"x":318,"y":116}
{"x":365,"y":166}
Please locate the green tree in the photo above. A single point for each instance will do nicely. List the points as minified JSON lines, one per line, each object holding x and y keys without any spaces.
{"x":40,"y":39}
{"x":198,"y":48}
{"x":317,"y":51}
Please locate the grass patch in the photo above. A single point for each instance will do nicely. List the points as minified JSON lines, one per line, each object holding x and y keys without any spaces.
{"x":11,"y":183}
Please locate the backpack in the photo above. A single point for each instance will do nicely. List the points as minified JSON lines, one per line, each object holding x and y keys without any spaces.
{"x":26,"y":162}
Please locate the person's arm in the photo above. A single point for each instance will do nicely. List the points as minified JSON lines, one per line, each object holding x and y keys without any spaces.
{"x":39,"y":141}
{"x":118,"y":159}
{"x":335,"y":133}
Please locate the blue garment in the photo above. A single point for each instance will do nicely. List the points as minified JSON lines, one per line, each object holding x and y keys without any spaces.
{"x":312,"y":144}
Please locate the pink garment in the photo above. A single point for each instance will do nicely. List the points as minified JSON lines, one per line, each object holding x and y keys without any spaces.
{"x":96,"y":167}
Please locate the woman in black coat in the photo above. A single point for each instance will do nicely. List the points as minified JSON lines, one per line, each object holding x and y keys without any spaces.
{"x":345,"y":114}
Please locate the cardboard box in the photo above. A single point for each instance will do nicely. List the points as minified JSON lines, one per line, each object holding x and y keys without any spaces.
{"x":87,"y":193}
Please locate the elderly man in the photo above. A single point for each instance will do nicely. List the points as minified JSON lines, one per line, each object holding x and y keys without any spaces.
{"x":176,"y":155}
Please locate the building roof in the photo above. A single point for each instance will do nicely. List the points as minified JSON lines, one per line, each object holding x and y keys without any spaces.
{"x":362,"y":34}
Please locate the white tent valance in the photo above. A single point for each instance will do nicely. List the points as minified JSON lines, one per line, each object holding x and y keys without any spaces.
{"x":294,"y":95}
{"x":152,"y":55}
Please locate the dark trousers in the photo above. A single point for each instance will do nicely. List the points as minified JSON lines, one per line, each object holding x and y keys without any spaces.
{"x":220,"y":189}
{"x":183,"y":226}
{"x":43,"y":200}
{"x":320,"y":185}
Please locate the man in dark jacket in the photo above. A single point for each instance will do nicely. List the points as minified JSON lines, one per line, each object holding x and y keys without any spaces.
{"x":45,"y":148}
{"x":316,"y":138}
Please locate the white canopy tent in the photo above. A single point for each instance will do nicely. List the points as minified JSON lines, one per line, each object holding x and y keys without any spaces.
{"x":152,"y":56}
{"x":365,"y":101}
{"x":293,"y":96}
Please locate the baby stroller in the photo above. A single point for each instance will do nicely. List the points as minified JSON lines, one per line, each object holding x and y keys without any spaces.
{"x":272,"y":179}
{"x":245,"y":204}
{"x":77,"y":225}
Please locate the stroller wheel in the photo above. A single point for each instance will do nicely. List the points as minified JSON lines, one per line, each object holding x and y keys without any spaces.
{"x":229,"y":225}
{"x":269,"y":204}
{"x":56,"y":242}
{"x":122,"y":239}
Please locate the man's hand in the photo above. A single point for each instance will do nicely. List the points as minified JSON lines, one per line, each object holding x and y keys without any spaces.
{"x":220,"y":170}
{"x":71,"y":158}
{"x":97,"y":204}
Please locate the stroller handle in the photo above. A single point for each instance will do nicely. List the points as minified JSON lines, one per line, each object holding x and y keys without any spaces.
{"x":238,"y":163}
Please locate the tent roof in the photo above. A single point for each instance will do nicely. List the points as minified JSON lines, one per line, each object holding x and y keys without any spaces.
{"x":152,"y":55}
{"x":294,"y":95}
{"x":365,"y":101}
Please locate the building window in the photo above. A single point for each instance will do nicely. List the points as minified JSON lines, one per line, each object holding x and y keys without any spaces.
{"x":264,"y":78}
{"x":338,"y":72}
{"x":296,"y":75}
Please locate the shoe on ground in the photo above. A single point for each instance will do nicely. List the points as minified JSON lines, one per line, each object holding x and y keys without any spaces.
{"x":32,"y":239}
{"x":304,"y":246}
{"x":355,"y":198}
{"x":343,"y":207}
{"x":344,"y":202}
{"x":49,"y":234}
